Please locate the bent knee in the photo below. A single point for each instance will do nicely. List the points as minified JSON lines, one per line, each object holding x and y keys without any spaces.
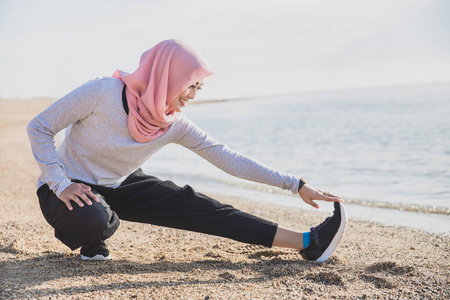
{"x":86,"y":219}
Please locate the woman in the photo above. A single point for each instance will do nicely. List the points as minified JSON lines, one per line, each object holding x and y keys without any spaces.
{"x":114,"y":125}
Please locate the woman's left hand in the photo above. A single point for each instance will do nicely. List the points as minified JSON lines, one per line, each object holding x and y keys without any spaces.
{"x":309,"y":194}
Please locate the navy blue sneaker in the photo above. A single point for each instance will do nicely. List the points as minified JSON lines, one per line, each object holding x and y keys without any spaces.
{"x":97,"y":251}
{"x":326,"y":236}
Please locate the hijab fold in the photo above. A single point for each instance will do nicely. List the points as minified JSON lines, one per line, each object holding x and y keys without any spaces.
{"x":164,"y":72}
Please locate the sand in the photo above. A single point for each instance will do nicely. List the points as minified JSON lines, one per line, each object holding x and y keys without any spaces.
{"x":150,"y":262}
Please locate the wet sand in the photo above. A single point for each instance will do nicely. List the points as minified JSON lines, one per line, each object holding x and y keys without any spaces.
{"x":151,"y":262}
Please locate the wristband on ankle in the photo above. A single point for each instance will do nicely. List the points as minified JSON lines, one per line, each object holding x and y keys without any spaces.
{"x":306,"y":239}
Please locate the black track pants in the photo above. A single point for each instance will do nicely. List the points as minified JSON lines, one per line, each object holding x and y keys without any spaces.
{"x":146,"y":199}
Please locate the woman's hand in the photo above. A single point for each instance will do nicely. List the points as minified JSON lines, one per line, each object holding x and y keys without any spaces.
{"x":309,"y":194}
{"x":77,"y":192}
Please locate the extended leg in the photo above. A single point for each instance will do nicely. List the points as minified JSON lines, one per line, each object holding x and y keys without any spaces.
{"x":146,"y":199}
{"x":288,"y":238}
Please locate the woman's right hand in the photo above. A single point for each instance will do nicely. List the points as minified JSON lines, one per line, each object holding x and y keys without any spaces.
{"x":309,"y":194}
{"x":79,"y":193}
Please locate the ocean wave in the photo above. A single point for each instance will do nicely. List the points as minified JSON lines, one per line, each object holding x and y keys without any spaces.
{"x":427,"y":209}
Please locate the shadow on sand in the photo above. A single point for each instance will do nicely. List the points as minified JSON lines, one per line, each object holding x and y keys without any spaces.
{"x":25,"y":276}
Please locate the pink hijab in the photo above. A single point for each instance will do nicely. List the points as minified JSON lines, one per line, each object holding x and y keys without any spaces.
{"x":164,"y":72}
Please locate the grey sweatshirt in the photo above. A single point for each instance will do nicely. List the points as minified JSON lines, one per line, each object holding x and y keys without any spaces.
{"x":99,"y":149}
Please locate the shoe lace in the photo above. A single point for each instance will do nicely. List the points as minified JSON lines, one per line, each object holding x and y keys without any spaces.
{"x":321,"y":224}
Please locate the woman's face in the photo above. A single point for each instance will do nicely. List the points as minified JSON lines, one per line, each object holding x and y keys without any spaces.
{"x":182,"y":99}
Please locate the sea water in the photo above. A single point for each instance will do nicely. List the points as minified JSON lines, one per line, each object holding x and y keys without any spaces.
{"x":386,"y":151}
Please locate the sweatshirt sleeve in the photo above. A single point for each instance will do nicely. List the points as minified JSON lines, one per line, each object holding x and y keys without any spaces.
{"x":234,"y":163}
{"x":42,"y":129}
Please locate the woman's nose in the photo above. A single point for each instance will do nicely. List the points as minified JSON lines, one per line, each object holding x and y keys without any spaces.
{"x":192,"y":93}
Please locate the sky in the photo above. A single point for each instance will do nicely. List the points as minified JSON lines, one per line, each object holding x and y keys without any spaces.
{"x":259,"y":47}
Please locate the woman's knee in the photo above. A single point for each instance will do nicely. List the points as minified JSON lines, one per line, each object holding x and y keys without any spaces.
{"x":90,"y":219}
{"x":87,"y":224}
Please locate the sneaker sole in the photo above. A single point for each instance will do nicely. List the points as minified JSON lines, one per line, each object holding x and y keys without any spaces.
{"x":337,"y":237}
{"x":96,"y":257}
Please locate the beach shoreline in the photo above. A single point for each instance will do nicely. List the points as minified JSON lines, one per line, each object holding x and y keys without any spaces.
{"x":152,"y":262}
{"x":387,"y":213}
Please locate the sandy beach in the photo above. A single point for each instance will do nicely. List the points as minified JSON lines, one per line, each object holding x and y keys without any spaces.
{"x":373,"y":261}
